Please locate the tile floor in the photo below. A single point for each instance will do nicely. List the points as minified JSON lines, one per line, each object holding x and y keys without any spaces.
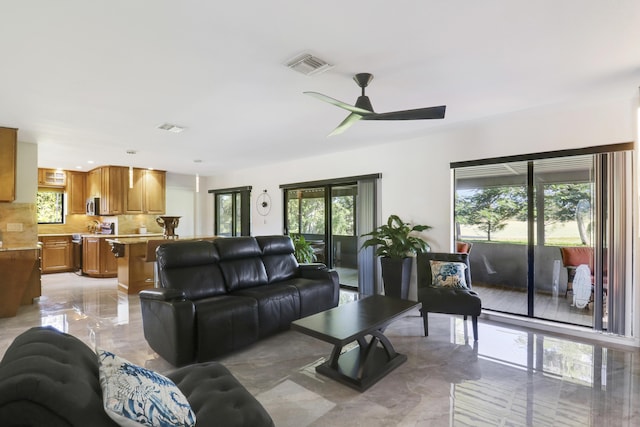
{"x":513,"y":377}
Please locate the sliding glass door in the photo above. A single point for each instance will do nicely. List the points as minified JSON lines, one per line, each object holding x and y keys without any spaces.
{"x":545,"y":230}
{"x":332,"y":215}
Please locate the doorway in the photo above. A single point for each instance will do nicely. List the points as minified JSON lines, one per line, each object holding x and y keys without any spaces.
{"x":331,"y":215}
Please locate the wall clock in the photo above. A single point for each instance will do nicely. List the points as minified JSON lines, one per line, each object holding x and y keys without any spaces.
{"x":263,"y":203}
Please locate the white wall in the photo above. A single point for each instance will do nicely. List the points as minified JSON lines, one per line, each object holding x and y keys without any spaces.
{"x":416,"y":180}
{"x":27,"y":172}
{"x":182,"y":200}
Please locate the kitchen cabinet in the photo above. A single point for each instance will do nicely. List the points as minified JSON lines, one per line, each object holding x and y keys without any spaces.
{"x":147,"y":194}
{"x":52,"y":178}
{"x":97,"y":258}
{"x":111,"y":190}
{"x":56,"y":254}
{"x":76,"y":194}
{"x":8,"y":153}
{"x":107,"y":183}
{"x":94,"y":182}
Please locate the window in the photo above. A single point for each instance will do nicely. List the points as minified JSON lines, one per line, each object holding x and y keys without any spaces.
{"x":231,"y":207}
{"x":50,"y":207}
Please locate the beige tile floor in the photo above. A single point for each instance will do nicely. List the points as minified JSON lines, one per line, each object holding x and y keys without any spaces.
{"x":513,"y":377}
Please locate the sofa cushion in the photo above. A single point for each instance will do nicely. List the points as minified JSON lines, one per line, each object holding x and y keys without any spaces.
{"x":225,"y":323}
{"x":218,"y":398}
{"x":278,"y":306}
{"x":240,"y":263}
{"x":50,"y":378}
{"x":315,"y":295}
{"x":192,"y":267}
{"x":134,"y":396}
{"x":278,"y":258}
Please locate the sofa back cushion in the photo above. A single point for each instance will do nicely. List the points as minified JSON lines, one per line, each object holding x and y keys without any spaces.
{"x":278,"y":258}
{"x":241,"y":262}
{"x":50,"y":378}
{"x":192,"y":267}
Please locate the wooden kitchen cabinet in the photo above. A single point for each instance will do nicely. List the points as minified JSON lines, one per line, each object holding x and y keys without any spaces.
{"x":147,"y":194}
{"x":111,"y":192}
{"x":77,"y":196}
{"x":56,"y":254}
{"x":97,"y":258}
{"x":107,"y":183}
{"x":52,"y":178}
{"x":94,"y":182}
{"x":8,"y":153}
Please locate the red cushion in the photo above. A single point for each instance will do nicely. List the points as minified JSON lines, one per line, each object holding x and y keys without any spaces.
{"x":576,"y":256}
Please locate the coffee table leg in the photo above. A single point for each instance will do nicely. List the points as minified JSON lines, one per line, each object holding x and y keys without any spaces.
{"x":365,"y":365}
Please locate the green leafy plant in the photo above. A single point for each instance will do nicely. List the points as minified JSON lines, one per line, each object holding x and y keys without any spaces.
{"x":394,"y":239}
{"x":302,"y":249}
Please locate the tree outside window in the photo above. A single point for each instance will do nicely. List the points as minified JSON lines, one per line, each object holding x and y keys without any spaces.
{"x":50,"y":207}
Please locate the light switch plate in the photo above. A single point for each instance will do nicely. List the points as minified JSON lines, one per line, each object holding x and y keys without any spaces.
{"x":14,"y":226}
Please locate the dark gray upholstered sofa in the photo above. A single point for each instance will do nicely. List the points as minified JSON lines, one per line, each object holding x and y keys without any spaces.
{"x":218,"y":296}
{"x":49,"y":378}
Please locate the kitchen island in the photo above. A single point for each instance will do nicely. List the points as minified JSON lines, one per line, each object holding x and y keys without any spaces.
{"x":20,"y":272}
{"x":136,"y":258}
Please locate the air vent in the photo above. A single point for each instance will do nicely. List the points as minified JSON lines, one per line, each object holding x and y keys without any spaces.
{"x":171,"y":128}
{"x":308,"y":64}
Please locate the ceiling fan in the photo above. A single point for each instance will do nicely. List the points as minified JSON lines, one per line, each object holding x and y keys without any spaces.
{"x":363,"y":110}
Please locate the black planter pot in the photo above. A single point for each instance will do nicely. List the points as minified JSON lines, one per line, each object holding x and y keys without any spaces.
{"x":396,"y":275}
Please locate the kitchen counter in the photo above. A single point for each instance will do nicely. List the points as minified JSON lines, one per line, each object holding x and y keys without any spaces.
{"x":20,"y":248}
{"x":113,"y":236}
{"x":136,"y":256}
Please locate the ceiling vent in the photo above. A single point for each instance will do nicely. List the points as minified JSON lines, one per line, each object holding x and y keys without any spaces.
{"x":308,"y":64}
{"x":171,"y":128}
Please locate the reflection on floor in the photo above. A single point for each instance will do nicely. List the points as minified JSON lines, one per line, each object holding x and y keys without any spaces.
{"x":511,"y":377}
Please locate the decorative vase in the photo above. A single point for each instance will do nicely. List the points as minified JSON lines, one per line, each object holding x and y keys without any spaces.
{"x":169,"y":224}
{"x":396,"y":276}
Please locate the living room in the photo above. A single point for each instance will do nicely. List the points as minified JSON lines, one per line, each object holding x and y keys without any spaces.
{"x":514,"y":114}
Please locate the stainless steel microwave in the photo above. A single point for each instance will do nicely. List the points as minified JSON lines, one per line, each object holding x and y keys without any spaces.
{"x":93,"y":206}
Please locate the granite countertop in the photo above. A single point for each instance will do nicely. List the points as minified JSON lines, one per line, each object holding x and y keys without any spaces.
{"x":20,"y":248}
{"x":143,"y":238}
{"x":113,"y":236}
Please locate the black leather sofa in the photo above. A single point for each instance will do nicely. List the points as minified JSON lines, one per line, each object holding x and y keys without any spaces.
{"x":50,"y":378}
{"x":218,"y":296}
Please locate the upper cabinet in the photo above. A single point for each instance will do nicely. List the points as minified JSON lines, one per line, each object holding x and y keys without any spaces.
{"x":52,"y":178}
{"x":107,"y":182}
{"x":111,"y":202}
{"x":76,"y":192}
{"x":8,"y":152}
{"x":145,"y":192}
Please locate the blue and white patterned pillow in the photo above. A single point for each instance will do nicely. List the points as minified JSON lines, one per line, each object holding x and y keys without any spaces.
{"x":446,"y":274}
{"x":134,"y":396}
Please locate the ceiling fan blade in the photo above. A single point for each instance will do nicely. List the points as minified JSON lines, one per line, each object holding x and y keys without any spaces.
{"x":346,"y":124}
{"x":343,"y":105}
{"x":417,"y":114}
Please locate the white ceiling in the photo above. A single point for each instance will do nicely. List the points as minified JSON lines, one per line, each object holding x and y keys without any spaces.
{"x":89,"y":80}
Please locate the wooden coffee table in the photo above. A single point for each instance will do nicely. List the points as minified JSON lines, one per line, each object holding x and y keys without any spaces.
{"x":369,"y":361}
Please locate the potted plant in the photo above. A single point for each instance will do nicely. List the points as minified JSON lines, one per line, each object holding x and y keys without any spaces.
{"x":303,"y":252}
{"x":396,"y":246}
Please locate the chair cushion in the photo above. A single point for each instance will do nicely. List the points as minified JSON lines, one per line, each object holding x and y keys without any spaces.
{"x":448,"y":274}
{"x":135,"y":396}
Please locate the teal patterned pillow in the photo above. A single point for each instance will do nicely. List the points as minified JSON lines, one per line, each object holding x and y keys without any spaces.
{"x":135,"y":396}
{"x":445,"y":274}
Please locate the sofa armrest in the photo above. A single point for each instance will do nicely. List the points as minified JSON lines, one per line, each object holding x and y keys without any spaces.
{"x":168,"y":323}
{"x":162,"y":294}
